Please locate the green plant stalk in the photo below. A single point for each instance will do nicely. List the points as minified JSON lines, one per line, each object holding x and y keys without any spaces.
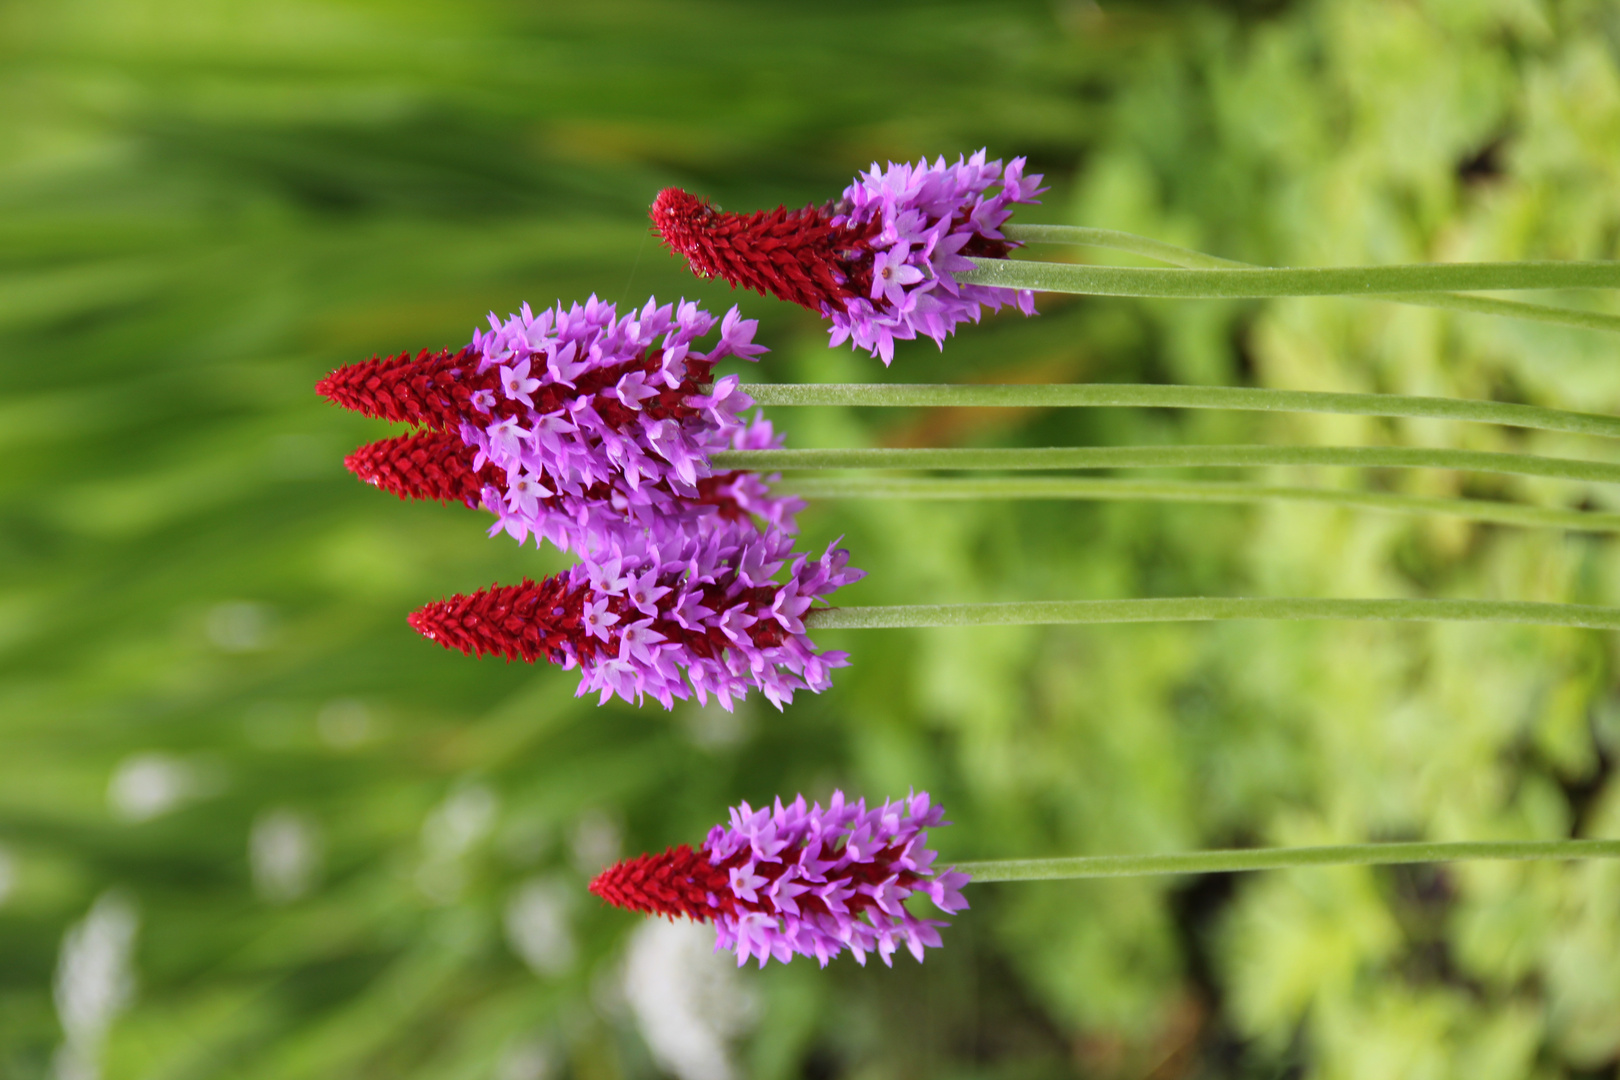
{"x":1209,"y":609}
{"x":1100,"y":487}
{"x":1186,"y":257}
{"x":1259,"y":282}
{"x":1168,"y":457}
{"x":1115,"y":240}
{"x":1082,"y":395}
{"x":1221,"y":862}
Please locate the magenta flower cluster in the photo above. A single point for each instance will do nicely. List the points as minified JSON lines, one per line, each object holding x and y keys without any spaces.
{"x":922,"y":222}
{"x":664,"y":614}
{"x":596,"y":425}
{"x":700,"y":613}
{"x":801,"y":880}
{"x":594,"y":431}
{"x":816,"y":881}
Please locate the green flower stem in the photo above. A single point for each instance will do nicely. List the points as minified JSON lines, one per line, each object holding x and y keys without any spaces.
{"x":1209,"y":609}
{"x":1072,"y":395}
{"x":1180,"y":256}
{"x":1220,"y":862}
{"x":1115,"y":240}
{"x":1258,"y":282}
{"x":1095,"y":487}
{"x":1168,"y":457}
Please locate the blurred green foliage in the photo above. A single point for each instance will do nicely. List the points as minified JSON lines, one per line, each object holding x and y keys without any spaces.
{"x":206,"y":204}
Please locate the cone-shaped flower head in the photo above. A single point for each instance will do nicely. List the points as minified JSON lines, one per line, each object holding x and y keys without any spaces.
{"x":667,"y":613}
{"x":440,"y":466}
{"x":427,"y":465}
{"x":572,"y":424}
{"x":792,"y":879}
{"x":878,"y":262}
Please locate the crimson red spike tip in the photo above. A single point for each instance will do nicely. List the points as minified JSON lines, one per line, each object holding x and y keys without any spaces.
{"x":678,"y":882}
{"x":423,"y":390}
{"x":794,"y":255}
{"x":529,"y":622}
{"x":427,"y":465}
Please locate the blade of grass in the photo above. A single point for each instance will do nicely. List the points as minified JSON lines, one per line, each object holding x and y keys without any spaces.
{"x":1101,"y":488}
{"x":1230,"y":861}
{"x":1210,"y":609}
{"x":1091,"y":395}
{"x":1185,"y":257}
{"x":1168,"y":457}
{"x":1230,"y":283}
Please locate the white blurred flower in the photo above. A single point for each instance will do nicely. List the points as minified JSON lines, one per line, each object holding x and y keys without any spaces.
{"x":537,"y":925}
{"x":463,"y":819}
{"x":94,"y":982}
{"x":239,"y":626}
{"x":714,"y":729}
{"x":8,"y":875}
{"x":689,"y":1001}
{"x":450,"y":830}
{"x":531,"y":1058}
{"x":346,"y":723}
{"x":525,"y":839}
{"x":595,"y":840}
{"x":149,"y":785}
{"x":284,"y":850}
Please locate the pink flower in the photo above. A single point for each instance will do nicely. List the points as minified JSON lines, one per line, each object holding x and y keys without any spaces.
{"x":891,"y":273}
{"x":668,"y":614}
{"x":878,"y":262}
{"x":585,"y":424}
{"x":793,"y":880}
{"x":516,"y":383}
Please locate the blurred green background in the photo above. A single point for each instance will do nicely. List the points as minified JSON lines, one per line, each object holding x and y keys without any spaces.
{"x":252,"y":826}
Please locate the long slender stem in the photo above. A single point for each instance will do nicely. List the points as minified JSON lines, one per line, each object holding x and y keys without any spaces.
{"x":1210,"y":609}
{"x":1072,"y":395}
{"x":1101,"y":487}
{"x":1180,"y":256}
{"x":1168,"y":457}
{"x":1115,"y":240}
{"x":1246,"y":283}
{"x":1215,"y":862}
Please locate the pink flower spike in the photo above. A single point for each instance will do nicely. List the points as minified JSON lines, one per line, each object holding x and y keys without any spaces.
{"x":670,"y":613}
{"x":784,"y":882}
{"x":856,"y":261}
{"x":606,"y":432}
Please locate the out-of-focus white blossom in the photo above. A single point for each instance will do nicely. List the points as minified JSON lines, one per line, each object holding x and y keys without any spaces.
{"x":466,"y":817}
{"x":284,"y":850}
{"x":596,"y":840}
{"x":714,"y":729}
{"x":537,"y":925}
{"x":95,"y":981}
{"x":689,"y":1002}
{"x":530,"y":1058}
{"x":148,"y":785}
{"x":240,"y":626}
{"x":8,"y":875}
{"x":346,"y":723}
{"x":463,"y":819}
